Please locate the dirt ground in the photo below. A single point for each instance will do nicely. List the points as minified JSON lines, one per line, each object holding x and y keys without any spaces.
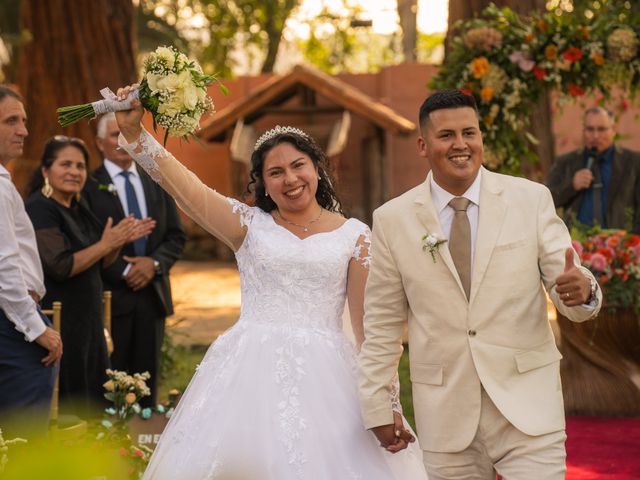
{"x":206,"y":299}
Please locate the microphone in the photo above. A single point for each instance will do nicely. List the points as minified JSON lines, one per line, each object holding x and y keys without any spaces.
{"x":591,"y":159}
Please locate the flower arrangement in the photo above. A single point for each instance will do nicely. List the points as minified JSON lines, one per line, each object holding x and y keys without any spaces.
{"x":506,"y":62}
{"x":124,"y":391}
{"x":613,"y":256}
{"x":173,"y":88}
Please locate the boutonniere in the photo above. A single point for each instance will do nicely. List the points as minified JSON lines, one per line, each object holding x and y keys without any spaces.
{"x":431,"y":243}
{"x":110,"y":187}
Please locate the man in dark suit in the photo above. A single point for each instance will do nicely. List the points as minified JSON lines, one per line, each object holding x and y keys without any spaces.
{"x":600,"y":183}
{"x":139,"y":278}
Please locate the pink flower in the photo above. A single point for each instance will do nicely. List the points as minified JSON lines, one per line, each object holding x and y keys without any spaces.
{"x":598,"y":262}
{"x":577,"y":246}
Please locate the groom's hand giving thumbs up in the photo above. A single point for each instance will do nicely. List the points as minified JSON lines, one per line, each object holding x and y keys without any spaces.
{"x":572,"y":285}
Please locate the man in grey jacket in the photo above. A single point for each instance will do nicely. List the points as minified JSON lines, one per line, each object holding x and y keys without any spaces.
{"x":600,"y":183}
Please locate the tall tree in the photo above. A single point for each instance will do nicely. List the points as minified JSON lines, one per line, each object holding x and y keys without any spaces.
{"x":77,"y":48}
{"x":408,"y":13}
{"x":542,"y":119}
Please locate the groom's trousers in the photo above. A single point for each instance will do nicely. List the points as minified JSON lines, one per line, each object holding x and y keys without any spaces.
{"x":500,"y":447}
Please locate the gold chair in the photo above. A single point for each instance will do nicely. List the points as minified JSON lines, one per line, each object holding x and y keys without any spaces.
{"x":55,"y":312}
{"x":74,"y":427}
{"x":106,"y":304}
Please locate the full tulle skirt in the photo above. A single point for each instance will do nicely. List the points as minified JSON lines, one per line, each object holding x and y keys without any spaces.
{"x":275,"y":403}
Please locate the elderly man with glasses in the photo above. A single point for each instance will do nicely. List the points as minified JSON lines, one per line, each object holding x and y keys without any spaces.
{"x":598,"y":184}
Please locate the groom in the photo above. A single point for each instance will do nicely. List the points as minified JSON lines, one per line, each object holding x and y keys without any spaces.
{"x":484,"y":364}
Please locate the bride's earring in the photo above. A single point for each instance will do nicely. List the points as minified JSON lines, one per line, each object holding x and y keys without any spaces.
{"x":266,"y":194}
{"x":46,"y":189}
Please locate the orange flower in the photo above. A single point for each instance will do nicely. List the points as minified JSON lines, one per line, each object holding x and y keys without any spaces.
{"x":528,"y":38}
{"x":584,"y":31}
{"x":486,"y":93}
{"x":542,"y":25}
{"x":551,"y":52}
{"x":597,"y":58}
{"x":480,"y":67}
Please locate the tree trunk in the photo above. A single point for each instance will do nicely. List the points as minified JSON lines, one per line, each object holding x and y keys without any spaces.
{"x":541,"y":126}
{"x":408,"y":11}
{"x":77,"y":49}
{"x":277,"y":13}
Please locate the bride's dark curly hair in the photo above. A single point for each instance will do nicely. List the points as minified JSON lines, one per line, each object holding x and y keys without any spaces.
{"x":325,"y":195}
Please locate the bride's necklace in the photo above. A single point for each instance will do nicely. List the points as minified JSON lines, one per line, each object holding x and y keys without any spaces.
{"x":305,"y":228}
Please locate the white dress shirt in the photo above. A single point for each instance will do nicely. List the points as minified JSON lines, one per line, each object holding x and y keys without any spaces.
{"x":118,"y":180}
{"x":20,"y":267}
{"x":441,"y":199}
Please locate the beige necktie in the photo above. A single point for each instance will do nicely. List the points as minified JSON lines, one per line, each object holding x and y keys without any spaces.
{"x":460,"y":241}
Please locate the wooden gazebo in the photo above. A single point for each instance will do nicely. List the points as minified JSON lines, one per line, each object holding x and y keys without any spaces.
{"x":351,"y":126}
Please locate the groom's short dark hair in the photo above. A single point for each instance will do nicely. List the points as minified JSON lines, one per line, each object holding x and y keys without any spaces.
{"x":441,"y":99}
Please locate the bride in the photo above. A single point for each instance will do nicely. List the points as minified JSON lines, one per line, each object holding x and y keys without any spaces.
{"x":275,"y":397}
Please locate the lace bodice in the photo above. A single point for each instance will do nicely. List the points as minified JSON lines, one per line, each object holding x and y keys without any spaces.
{"x":291,"y":281}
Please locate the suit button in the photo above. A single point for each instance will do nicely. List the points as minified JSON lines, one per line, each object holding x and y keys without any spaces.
{"x":472,"y":333}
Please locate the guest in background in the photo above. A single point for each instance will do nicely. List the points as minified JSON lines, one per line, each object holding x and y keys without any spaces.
{"x":600,"y":183}
{"x":139,"y":278}
{"x":73,"y":247}
{"x":29,"y":347}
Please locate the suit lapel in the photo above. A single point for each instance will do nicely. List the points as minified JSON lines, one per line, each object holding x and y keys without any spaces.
{"x":103,"y":178}
{"x":492,"y":211}
{"x":428,"y":217}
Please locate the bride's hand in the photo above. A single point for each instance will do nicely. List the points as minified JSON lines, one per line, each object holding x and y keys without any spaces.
{"x":129,"y":120}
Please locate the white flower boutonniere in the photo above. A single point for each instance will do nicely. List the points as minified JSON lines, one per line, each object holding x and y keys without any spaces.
{"x":432,"y":244}
{"x":111,"y":188}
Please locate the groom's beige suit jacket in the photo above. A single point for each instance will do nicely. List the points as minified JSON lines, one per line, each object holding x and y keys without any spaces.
{"x":500,"y":338}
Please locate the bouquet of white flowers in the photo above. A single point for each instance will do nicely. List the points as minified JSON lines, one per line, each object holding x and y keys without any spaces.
{"x":173,"y":89}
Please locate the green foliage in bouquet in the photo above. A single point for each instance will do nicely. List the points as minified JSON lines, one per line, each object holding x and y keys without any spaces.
{"x":506,"y":62}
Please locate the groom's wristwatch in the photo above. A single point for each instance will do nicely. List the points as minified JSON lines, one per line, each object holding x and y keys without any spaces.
{"x":156,"y":265}
{"x":592,"y":295}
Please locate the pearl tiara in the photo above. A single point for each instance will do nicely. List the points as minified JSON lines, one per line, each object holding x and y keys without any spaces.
{"x":278,"y":130}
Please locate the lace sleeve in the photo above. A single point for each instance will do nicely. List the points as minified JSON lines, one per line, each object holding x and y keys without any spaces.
{"x":214,"y":212}
{"x":244,"y":210}
{"x":362,"y":250}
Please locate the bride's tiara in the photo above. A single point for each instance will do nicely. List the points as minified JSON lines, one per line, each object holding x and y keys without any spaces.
{"x":278,"y":130}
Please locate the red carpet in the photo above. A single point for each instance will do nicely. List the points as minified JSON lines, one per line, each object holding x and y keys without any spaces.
{"x":603,"y":448}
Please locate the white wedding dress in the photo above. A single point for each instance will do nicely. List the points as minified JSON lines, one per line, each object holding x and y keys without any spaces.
{"x":275,"y":397}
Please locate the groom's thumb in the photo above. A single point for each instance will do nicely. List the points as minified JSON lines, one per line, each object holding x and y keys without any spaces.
{"x":568,"y":259}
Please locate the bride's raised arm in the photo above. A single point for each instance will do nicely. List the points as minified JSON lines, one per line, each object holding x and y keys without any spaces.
{"x":216,"y":213}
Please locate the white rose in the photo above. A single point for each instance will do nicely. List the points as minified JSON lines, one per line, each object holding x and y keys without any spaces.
{"x":166,"y":55}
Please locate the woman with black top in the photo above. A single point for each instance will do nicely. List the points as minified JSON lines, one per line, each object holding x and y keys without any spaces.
{"x":73,"y":247}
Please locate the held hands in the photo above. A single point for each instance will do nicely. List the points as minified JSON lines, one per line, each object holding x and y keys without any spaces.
{"x":393,"y":437}
{"x":572,"y":286}
{"x":50,"y":340}
{"x":141,"y":272}
{"x":129,"y":120}
{"x":582,"y":179}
